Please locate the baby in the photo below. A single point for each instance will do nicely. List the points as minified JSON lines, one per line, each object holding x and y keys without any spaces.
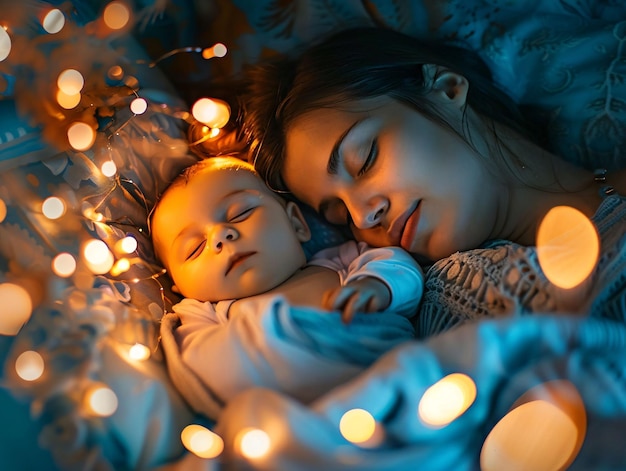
{"x":226,"y":239}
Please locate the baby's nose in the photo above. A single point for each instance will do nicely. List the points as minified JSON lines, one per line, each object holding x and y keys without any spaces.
{"x":223,"y":235}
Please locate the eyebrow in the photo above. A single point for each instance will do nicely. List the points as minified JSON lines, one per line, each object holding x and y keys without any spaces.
{"x":333,"y":161}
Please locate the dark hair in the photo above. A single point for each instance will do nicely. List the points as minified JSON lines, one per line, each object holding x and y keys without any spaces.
{"x":358,"y":63}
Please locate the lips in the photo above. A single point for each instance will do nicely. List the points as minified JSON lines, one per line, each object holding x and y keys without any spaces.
{"x":236,"y":259}
{"x":403,"y":229}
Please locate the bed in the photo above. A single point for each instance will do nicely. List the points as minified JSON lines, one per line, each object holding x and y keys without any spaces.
{"x":84,"y":383}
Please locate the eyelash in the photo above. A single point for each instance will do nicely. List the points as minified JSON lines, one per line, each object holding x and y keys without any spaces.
{"x":371,"y":158}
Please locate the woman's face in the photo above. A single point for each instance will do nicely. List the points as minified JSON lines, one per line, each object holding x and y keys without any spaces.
{"x":397,"y":177}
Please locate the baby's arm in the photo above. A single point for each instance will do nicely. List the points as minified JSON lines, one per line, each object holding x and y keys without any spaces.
{"x":372,"y":279}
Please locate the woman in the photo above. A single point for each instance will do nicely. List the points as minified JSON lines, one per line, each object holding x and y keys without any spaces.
{"x":412,"y":145}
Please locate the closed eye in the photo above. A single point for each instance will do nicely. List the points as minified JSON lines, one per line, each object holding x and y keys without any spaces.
{"x":371,"y":158}
{"x":196,"y":251}
{"x":241,"y":215}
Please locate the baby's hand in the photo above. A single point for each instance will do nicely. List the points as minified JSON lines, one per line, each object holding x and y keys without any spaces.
{"x":366,"y":294}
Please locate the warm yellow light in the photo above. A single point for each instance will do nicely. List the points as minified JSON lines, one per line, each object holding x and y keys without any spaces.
{"x":212,"y":112}
{"x":5,"y":43}
{"x":121,"y":266}
{"x":447,"y":399}
{"x":53,"y":207}
{"x":567,"y":246}
{"x":357,"y":426}
{"x":116,"y":15}
{"x":202,"y":441}
{"x":66,"y":101}
{"x":54,"y":21}
{"x":139,"y":352}
{"x":17,"y":307}
{"x":81,"y":136}
{"x":98,"y":257}
{"x":214,"y":132}
{"x":3,"y":210}
{"x":115,"y":72}
{"x":29,"y":366}
{"x":127,"y":245}
{"x":217,"y":50}
{"x":108,"y":168}
{"x":64,"y":265}
{"x":536,"y":435}
{"x":70,"y":81}
{"x":253,"y":443}
{"x":101,"y":400}
{"x":138,"y":106}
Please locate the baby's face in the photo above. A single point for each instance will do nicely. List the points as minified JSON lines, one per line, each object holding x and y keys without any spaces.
{"x":223,"y":235}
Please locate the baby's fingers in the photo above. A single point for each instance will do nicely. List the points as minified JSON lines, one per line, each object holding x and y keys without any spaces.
{"x":337,"y":298}
{"x":358,"y":302}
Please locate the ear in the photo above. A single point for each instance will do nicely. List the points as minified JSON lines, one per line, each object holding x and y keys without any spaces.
{"x":298,"y":222}
{"x":447,"y":86}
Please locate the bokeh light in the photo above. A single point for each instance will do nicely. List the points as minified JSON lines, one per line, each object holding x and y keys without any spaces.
{"x":98,"y":257}
{"x":17,"y":307}
{"x":115,"y":72}
{"x":64,"y":265}
{"x":81,"y":136}
{"x":5,"y":43}
{"x":66,"y":101}
{"x":101,"y":401}
{"x":212,"y":112}
{"x":116,"y":15}
{"x":447,"y":399}
{"x":70,"y":81}
{"x":54,"y":21}
{"x":29,"y":365}
{"x":202,"y":441}
{"x":139,"y":352}
{"x":567,"y":246}
{"x":138,"y":106}
{"x":53,"y":207}
{"x":121,"y":266}
{"x":357,"y":426}
{"x":3,"y":210}
{"x":127,"y":245}
{"x":108,"y":168}
{"x":217,"y":50}
{"x":253,"y":443}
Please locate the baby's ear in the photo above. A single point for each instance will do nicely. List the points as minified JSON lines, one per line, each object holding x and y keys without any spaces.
{"x":447,"y":86}
{"x":298,"y":222}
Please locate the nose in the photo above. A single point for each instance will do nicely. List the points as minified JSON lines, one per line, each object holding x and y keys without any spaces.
{"x":370,"y":214}
{"x":221,"y":235}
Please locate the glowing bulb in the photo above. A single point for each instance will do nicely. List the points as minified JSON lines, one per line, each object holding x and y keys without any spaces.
{"x":66,"y":101}
{"x":253,"y":443}
{"x":214,"y":113}
{"x":3,"y":210}
{"x":64,"y":265}
{"x":54,"y":21}
{"x":116,"y":15}
{"x":17,"y":307}
{"x":5,"y":43}
{"x":53,"y":207}
{"x":536,"y":435}
{"x":115,"y":72}
{"x":108,"y":168}
{"x":29,"y":365}
{"x":101,"y":401}
{"x":218,"y":50}
{"x":81,"y":136}
{"x":121,"y":266}
{"x":214,"y":132}
{"x":70,"y":81}
{"x":128,"y":244}
{"x":139,"y":106}
{"x":201,"y":441}
{"x":567,"y":246}
{"x":447,"y":399}
{"x":357,"y":426}
{"x":139,"y":352}
{"x":98,"y":256}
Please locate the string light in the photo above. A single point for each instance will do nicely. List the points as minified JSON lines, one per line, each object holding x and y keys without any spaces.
{"x":64,"y":265}
{"x":53,"y":207}
{"x":212,"y":112}
{"x":98,"y":257}
{"x":17,"y":308}
{"x":253,"y":443}
{"x":5,"y":43}
{"x":447,"y":399}
{"x":108,"y":168}
{"x":359,"y":427}
{"x":54,"y":21}
{"x":116,"y":15}
{"x":201,"y":441}
{"x":3,"y":210}
{"x":139,"y":352}
{"x":66,"y":101}
{"x":70,"y":81}
{"x":139,"y":106}
{"x":29,"y":365}
{"x":100,"y":400}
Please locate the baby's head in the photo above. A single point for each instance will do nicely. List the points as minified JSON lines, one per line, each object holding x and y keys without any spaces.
{"x":223,"y":234}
